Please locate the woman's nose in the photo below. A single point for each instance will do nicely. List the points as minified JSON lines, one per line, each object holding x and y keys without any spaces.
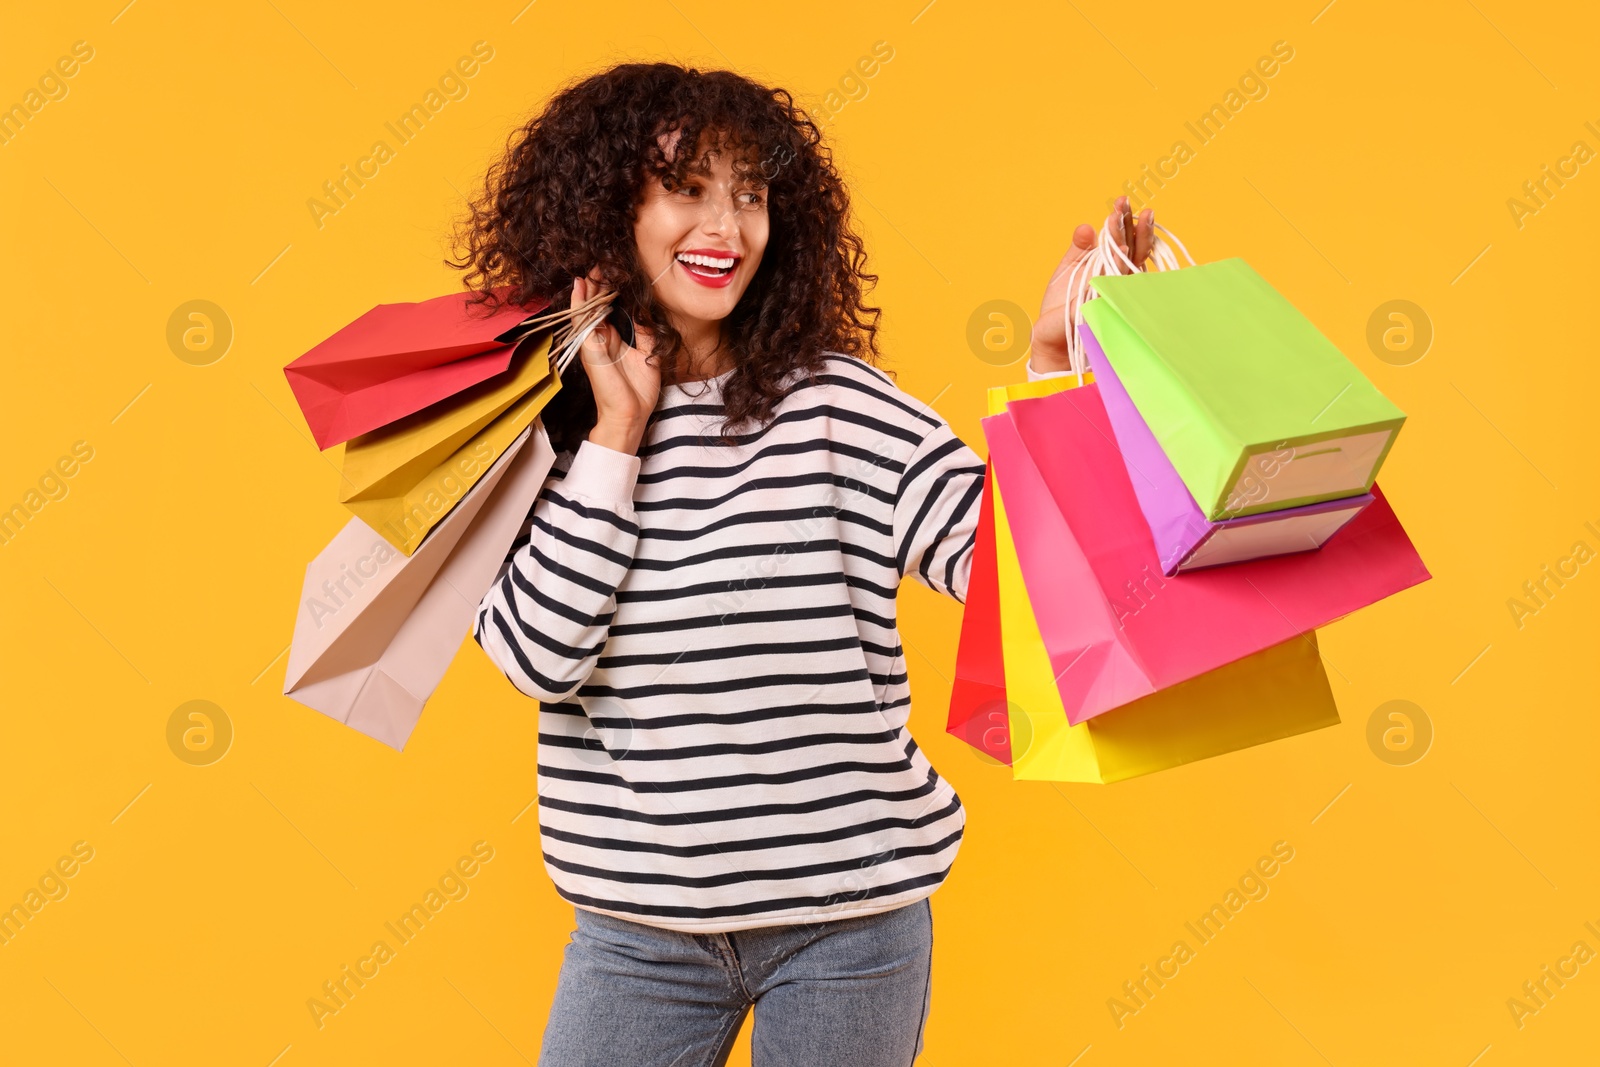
{"x":719,"y":215}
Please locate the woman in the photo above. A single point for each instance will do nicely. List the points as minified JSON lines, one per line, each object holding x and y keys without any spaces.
{"x":704,"y":599}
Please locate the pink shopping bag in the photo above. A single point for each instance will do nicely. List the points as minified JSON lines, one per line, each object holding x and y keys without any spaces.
{"x":1115,"y":626}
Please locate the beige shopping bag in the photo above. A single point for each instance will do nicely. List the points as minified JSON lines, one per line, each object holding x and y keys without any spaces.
{"x":377,"y":630}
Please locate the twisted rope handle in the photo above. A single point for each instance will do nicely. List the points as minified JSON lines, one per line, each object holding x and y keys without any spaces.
{"x":571,"y":327}
{"x":1102,"y":260}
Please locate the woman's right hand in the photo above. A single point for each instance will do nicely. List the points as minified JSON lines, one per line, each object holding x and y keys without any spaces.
{"x":1135,"y":237}
{"x":626,"y":385}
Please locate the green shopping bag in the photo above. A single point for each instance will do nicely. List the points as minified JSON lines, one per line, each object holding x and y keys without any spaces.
{"x":1256,"y":409}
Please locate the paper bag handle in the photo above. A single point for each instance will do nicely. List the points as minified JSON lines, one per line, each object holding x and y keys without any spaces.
{"x":1102,"y":260}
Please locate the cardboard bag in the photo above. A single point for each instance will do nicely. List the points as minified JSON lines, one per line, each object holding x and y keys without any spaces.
{"x":376,"y":630}
{"x":1004,"y":691}
{"x":1185,"y":539}
{"x":978,"y":694}
{"x":1232,"y":378}
{"x":398,"y":359}
{"x":1114,"y":627}
{"x":404,"y":513}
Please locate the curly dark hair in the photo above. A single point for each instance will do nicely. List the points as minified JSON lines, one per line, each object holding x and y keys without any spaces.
{"x":564,"y":197}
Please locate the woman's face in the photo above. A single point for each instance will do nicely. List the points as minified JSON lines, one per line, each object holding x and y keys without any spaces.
{"x":701,"y":241}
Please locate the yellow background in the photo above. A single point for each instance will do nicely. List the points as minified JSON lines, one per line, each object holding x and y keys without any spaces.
{"x":221,"y":897}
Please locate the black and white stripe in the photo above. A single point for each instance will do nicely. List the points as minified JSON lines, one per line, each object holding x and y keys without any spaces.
{"x":711,"y":634}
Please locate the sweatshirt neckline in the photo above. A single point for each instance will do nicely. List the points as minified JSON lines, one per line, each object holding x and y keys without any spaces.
{"x":703,"y":386}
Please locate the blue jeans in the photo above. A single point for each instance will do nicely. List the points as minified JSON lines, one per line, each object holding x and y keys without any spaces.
{"x":852,"y":993}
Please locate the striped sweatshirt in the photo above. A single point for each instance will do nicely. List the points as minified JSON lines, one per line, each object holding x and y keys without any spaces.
{"x":710,"y":632}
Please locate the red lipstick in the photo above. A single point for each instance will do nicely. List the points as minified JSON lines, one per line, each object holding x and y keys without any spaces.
{"x":712,"y":275}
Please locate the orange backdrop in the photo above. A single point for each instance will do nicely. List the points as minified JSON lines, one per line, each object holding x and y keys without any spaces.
{"x":188,"y":907}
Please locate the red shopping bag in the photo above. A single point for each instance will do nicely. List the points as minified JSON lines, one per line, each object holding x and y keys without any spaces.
{"x":400,"y":358}
{"x":1115,"y":627}
{"x":978,"y":695}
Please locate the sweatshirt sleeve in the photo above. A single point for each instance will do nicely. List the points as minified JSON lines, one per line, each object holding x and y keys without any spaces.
{"x":936,"y":511}
{"x":546,"y":618}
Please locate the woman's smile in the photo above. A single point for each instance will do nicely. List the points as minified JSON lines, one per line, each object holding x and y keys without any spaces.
{"x":713,"y":267}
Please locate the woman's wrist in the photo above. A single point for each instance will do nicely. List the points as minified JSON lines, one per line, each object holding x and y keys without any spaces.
{"x":621,"y":436}
{"x":1047,"y":361}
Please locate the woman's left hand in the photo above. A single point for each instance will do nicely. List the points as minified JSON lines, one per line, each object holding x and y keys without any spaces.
{"x":1134,"y":238}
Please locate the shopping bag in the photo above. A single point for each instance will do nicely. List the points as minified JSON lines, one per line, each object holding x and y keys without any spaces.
{"x":1278,"y":692}
{"x":403,"y":509}
{"x":1185,"y":539}
{"x":391,"y":460}
{"x":398,"y":359}
{"x":998,"y":698}
{"x":1115,"y":628}
{"x":377,"y":631}
{"x":978,"y":694}
{"x":1256,"y":409}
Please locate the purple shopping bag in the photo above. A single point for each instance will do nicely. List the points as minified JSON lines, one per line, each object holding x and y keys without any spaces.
{"x":1185,"y":539}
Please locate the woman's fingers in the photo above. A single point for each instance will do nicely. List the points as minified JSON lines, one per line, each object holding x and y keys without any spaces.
{"x":1125,"y":236}
{"x":601,"y":346}
{"x":1134,"y":236}
{"x":1082,"y":244}
{"x":1144,"y":236}
{"x":1124,"y":227}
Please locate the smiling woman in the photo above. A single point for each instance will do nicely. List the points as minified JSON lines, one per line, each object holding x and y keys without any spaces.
{"x":703,"y":599}
{"x":566,"y":199}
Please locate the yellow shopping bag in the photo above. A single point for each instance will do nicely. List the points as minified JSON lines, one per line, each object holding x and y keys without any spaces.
{"x":403,"y":510}
{"x":391,"y":460}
